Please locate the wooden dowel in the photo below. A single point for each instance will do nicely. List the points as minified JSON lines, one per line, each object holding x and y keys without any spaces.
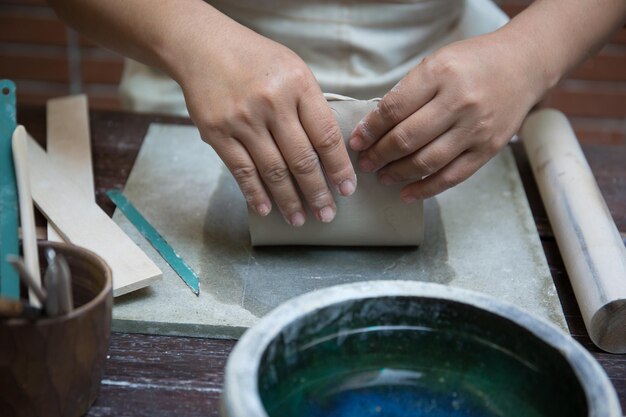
{"x":589,"y":242}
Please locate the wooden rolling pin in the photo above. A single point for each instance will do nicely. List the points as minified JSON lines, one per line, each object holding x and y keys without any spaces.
{"x":589,"y":242}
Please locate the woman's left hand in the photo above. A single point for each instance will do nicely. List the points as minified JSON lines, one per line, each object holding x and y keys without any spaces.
{"x":448,"y":116}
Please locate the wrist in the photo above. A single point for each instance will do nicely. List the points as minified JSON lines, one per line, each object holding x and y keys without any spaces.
{"x":537,"y":62}
{"x":192,"y":43}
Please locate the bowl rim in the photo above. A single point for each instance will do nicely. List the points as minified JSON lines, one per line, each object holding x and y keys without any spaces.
{"x":240,"y":397}
{"x":76,"y":312}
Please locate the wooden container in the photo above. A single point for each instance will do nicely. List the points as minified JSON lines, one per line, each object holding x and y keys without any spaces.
{"x":53,"y":366}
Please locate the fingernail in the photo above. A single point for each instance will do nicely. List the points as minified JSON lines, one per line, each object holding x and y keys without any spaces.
{"x":356,"y":143}
{"x":296,"y":219}
{"x":366,"y":165}
{"x":263,"y":209}
{"x":385,"y":179}
{"x":327,"y":214}
{"x":347,"y":187}
{"x":408,"y":199}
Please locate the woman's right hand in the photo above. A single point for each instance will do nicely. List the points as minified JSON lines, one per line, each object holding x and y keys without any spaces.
{"x":260,"y":107}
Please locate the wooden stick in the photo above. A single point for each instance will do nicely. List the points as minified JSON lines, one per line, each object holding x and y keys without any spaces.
{"x":27,"y":279}
{"x":68,"y":144}
{"x":83,"y":223}
{"x":589,"y":242}
{"x":27,"y":216}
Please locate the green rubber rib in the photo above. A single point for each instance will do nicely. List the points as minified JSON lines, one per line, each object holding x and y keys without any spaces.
{"x":9,"y":245}
{"x":156,"y":240}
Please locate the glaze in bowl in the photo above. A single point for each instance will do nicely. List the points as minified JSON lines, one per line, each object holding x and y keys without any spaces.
{"x":398,"y":348}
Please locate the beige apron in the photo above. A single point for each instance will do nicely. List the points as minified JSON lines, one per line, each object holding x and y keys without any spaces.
{"x":359,"y":48}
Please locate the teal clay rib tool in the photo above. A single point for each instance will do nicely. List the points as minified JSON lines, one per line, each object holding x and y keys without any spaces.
{"x":156,"y":240}
{"x":9,"y":280}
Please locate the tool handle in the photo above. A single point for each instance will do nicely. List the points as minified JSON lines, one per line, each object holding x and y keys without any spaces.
{"x":589,"y":242}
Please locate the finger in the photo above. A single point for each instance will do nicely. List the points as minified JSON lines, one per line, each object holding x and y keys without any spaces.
{"x":411,"y":134}
{"x":427,"y":160}
{"x":452,"y":174}
{"x":404,"y":99}
{"x":240,"y":164}
{"x":276,"y":176}
{"x":324,"y":134}
{"x":304,"y":165}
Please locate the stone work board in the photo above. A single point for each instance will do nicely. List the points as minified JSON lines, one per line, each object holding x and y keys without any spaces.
{"x":479,"y":236}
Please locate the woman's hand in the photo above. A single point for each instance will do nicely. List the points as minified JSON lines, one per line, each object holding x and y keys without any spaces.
{"x":259,"y":106}
{"x":448,"y":116}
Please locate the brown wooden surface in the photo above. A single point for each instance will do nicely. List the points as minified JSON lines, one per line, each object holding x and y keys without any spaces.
{"x":163,"y":376}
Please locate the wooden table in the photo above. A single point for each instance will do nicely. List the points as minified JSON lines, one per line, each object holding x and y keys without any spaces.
{"x":179,"y":376}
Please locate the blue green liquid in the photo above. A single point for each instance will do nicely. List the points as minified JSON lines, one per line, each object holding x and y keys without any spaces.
{"x":398,"y":371}
{"x":382,"y":393}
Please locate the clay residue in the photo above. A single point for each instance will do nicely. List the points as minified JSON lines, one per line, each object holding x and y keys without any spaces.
{"x":259,"y":279}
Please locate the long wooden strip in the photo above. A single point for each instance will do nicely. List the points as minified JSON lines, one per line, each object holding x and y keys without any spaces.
{"x":27,"y":215}
{"x":68,"y":144}
{"x":9,"y":281}
{"x":591,"y":246}
{"x":85,"y":224}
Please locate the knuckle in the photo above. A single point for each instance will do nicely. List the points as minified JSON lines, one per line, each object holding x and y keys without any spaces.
{"x":306,"y":163}
{"x":267,"y":95}
{"x":470,"y":99}
{"x":481,"y":126}
{"x":319,"y":198}
{"x":275,"y":173}
{"x":449,"y":180}
{"x":329,"y":139}
{"x":448,"y":65}
{"x":389,"y":107}
{"x":423,"y":165}
{"x":373,"y":154}
{"x":402,"y":140}
{"x":244,"y":173}
{"x":491,"y":147}
{"x":299,"y":75}
{"x":214,"y":127}
{"x":241,"y":115}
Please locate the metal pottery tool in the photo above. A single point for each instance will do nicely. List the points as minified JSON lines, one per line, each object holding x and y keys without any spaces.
{"x":51,"y":279}
{"x":58,"y":283}
{"x":9,"y":281}
{"x":156,"y":240}
{"x":589,"y":242}
{"x":64,"y":281}
{"x":27,"y":217}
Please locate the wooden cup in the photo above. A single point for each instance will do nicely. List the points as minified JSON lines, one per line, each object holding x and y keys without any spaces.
{"x":53,"y":366}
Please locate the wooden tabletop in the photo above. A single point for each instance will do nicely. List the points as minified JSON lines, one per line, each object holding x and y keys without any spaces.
{"x":172,"y":376}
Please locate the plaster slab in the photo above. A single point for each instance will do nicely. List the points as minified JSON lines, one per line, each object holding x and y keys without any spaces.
{"x":479,"y":236}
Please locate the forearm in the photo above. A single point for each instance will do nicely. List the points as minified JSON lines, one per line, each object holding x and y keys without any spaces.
{"x":161,"y":34}
{"x":557,"y":35}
